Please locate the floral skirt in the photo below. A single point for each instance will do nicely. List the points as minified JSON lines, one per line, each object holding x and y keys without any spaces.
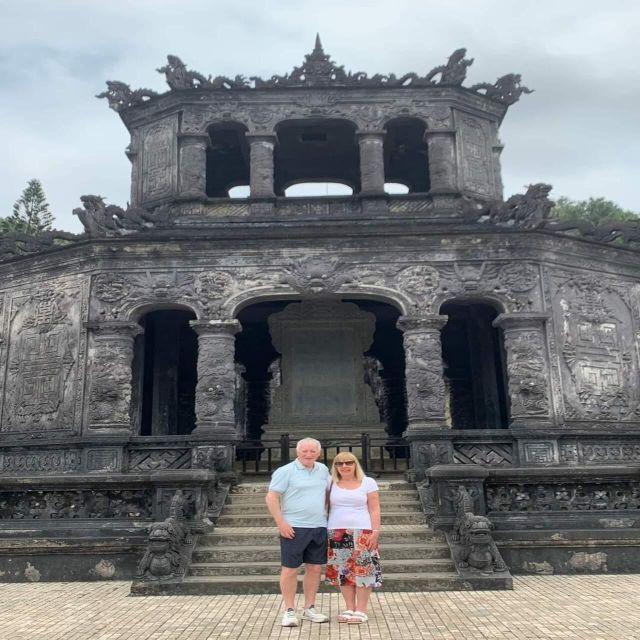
{"x":349,"y":562}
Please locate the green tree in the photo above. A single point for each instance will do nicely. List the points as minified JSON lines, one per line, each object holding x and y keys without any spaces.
{"x":31,"y":212}
{"x":594,"y":210}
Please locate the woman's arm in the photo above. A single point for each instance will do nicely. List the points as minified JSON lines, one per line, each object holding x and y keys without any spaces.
{"x":373,"y":505}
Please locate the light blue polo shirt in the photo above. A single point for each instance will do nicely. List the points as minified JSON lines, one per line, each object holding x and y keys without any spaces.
{"x":303,"y":493}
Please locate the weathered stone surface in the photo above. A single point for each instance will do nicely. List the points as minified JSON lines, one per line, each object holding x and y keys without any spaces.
{"x":74,"y":312}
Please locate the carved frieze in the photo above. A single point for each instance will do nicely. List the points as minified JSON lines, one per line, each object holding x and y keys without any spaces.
{"x":596,"y":335}
{"x":43,"y":359}
{"x":558,"y":496}
{"x":609,"y":452}
{"x":516,"y":284}
{"x":40,"y":461}
{"x":80,"y":504}
{"x":315,"y":275}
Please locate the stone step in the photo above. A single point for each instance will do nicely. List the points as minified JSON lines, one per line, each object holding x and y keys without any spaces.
{"x":228,"y":553}
{"x":385,"y":486}
{"x":399,"y":582}
{"x":260,"y":508}
{"x":386,"y":497}
{"x":265,"y":519}
{"x":260,"y":537}
{"x":271,"y":568}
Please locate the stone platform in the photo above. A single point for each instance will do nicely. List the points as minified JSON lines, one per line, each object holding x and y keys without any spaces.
{"x":604,"y":607}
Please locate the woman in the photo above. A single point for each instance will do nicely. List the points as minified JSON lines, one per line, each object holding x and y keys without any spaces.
{"x":353,"y":561}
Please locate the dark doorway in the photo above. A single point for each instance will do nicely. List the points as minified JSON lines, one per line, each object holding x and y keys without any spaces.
{"x":384,"y":371}
{"x":316,"y":151}
{"x":473,"y":359}
{"x":165,"y":374}
{"x":405,"y":154}
{"x":227,"y":159}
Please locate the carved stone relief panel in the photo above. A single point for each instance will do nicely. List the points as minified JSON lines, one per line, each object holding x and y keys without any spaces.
{"x":45,"y":359}
{"x":596,"y":336}
{"x":516,"y":285}
{"x":54,"y":461}
{"x":159,"y":159}
{"x":149,"y":459}
{"x":115,"y":295}
{"x":118,"y":504}
{"x":104,"y":459}
{"x":492,"y":454}
{"x":196,"y":119}
{"x":526,"y":372}
{"x":540,"y":452}
{"x":475,"y":155}
{"x":568,"y":496}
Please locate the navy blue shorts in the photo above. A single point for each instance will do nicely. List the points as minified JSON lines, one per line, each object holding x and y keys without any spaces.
{"x":309,"y":546}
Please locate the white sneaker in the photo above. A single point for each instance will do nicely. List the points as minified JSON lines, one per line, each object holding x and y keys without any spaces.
{"x":290,"y":619}
{"x":314,"y":616}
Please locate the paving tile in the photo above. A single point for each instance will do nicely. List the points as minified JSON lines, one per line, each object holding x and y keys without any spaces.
{"x":603,"y":607}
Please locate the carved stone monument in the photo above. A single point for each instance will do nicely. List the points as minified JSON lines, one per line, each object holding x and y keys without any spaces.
{"x":502,"y":346}
{"x":321,"y":385}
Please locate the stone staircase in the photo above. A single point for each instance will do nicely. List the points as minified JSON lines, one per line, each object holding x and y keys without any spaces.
{"x":242,"y":554}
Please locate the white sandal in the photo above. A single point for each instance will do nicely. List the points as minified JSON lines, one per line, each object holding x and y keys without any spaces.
{"x":345,"y":615}
{"x":358,"y":617}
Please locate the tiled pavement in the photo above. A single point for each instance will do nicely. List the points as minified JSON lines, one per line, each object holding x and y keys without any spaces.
{"x":549,"y":607}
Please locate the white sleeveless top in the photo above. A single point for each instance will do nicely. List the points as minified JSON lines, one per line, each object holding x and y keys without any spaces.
{"x":348,"y":507}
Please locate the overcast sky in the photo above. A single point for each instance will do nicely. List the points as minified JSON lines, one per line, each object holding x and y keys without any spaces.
{"x":579,"y":131}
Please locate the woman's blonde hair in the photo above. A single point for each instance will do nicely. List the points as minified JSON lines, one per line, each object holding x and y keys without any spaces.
{"x":344,"y":456}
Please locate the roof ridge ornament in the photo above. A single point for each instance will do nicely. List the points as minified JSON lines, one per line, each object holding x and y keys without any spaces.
{"x":319,"y":70}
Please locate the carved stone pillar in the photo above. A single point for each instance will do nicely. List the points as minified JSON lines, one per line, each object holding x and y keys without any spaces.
{"x":110,"y":357}
{"x":527,"y":367}
{"x":371,"y":162}
{"x":261,"y":164}
{"x":442,"y":160}
{"x":193,"y":165}
{"x":426,"y":400}
{"x":215,"y":390}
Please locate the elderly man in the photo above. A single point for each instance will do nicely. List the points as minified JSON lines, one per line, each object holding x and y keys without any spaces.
{"x":296,"y":500}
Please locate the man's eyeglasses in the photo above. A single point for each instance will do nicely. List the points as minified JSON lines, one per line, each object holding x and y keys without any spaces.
{"x":345,"y":463}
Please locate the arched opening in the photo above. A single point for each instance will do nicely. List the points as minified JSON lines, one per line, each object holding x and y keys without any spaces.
{"x":316,"y":151}
{"x":227,"y":159}
{"x":306,"y":189}
{"x":395,"y":188}
{"x":165,"y":374}
{"x":334,"y":368}
{"x":241,"y":191}
{"x":405,"y":154}
{"x":473,"y":357}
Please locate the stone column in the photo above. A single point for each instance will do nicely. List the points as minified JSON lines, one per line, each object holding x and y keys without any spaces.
{"x":527,"y":367}
{"x":442,"y":160}
{"x":193,"y":165}
{"x":261,"y":164}
{"x":110,"y":357}
{"x":215,"y":390}
{"x":426,"y":401}
{"x":371,"y":162}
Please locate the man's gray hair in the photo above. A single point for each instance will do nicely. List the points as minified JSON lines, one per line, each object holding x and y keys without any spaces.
{"x":312,"y":441}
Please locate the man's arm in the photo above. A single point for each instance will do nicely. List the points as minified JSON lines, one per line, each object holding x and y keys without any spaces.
{"x":273,"y":504}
